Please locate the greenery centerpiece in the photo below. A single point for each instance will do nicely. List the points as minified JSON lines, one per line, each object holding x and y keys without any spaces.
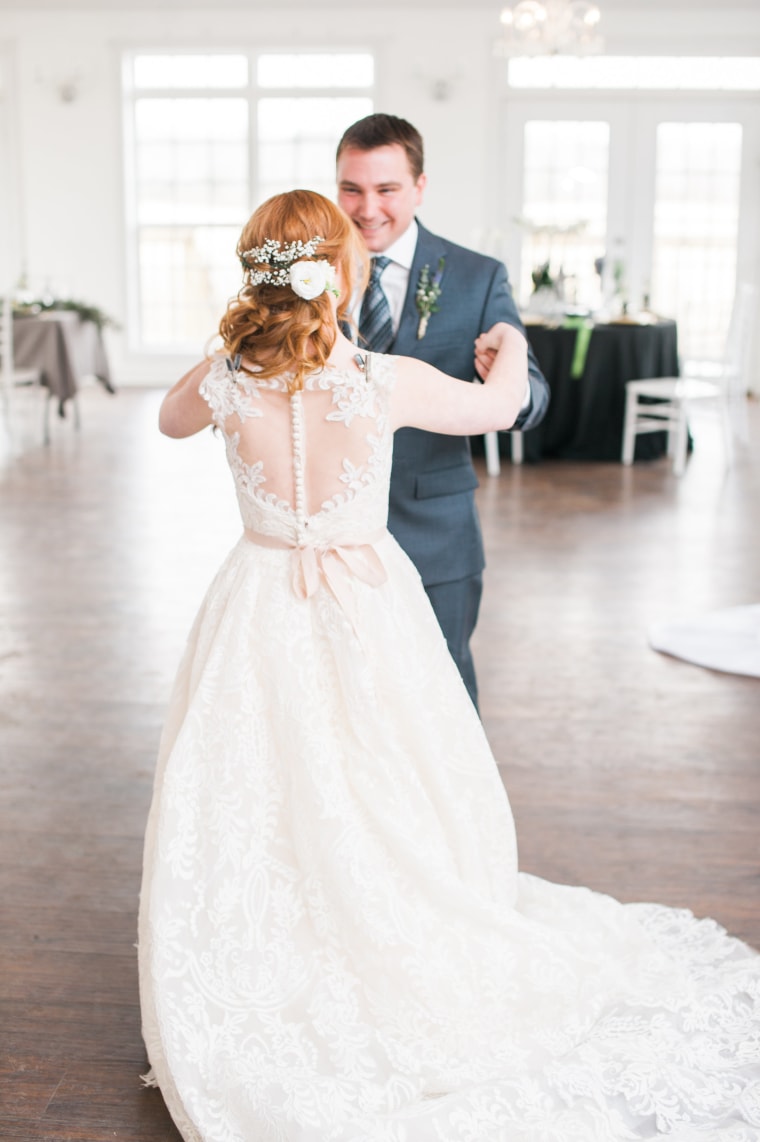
{"x":25,"y":304}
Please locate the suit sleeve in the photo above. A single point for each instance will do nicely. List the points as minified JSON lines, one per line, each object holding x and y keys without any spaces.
{"x":500,"y":306}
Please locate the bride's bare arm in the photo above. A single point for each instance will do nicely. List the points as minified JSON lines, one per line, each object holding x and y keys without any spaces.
{"x":426,"y":398}
{"x":183,"y":410}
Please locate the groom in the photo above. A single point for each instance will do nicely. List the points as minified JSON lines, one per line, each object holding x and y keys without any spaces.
{"x":430,"y":299}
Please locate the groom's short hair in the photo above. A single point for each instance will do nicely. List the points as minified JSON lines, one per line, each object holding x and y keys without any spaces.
{"x":383,"y":131}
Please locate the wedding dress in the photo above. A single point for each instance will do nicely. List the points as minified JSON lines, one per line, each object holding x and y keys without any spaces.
{"x":726,"y":640}
{"x":335,"y":942}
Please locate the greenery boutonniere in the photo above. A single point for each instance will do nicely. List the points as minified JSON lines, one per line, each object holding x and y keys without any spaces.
{"x":426,"y":297}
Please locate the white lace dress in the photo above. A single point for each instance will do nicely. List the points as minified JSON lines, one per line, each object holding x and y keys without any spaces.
{"x":335,"y":942}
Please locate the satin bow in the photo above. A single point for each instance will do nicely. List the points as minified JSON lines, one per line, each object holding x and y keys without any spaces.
{"x":333,"y":564}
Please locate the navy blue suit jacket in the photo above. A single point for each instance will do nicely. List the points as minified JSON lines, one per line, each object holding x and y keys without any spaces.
{"x":432,"y":503}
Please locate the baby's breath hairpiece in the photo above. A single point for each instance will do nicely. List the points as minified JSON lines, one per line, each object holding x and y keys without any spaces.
{"x":285,"y":267}
{"x":277,"y":258}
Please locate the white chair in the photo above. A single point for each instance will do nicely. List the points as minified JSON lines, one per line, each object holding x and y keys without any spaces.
{"x":491,"y":444}
{"x":663,"y":403}
{"x":11,"y":376}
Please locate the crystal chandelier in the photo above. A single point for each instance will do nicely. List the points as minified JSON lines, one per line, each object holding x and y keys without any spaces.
{"x":550,"y":27}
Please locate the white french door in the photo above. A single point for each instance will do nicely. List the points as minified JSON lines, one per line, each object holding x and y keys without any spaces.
{"x":666,"y":190}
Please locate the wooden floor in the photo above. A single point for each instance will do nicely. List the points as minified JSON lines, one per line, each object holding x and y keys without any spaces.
{"x":633,"y":773}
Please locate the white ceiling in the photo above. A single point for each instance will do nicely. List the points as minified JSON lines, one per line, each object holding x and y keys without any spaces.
{"x":691,"y":6}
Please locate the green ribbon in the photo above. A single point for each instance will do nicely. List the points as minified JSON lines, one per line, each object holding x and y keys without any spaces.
{"x":583,"y":327}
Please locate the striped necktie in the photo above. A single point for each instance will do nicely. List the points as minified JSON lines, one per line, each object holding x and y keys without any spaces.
{"x":375,"y":324}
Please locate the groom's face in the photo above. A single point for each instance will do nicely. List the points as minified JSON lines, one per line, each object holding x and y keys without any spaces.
{"x":379,"y":193}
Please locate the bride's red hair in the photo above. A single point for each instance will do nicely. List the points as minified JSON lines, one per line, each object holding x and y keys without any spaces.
{"x":270,"y":326}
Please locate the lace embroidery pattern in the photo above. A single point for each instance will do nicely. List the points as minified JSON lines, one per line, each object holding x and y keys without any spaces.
{"x":250,"y":478}
{"x":353,"y":395}
{"x":226,"y":396}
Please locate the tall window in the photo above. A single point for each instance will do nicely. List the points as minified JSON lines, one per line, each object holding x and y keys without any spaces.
{"x":696,"y":220}
{"x":208,"y":138}
{"x":564,"y":219}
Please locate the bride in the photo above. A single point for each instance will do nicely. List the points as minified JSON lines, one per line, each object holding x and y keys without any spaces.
{"x":335,"y":942}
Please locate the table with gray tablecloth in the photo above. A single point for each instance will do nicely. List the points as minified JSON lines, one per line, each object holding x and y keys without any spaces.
{"x":64,"y":348}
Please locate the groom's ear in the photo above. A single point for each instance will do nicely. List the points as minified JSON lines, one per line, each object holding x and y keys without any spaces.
{"x":419,"y":188}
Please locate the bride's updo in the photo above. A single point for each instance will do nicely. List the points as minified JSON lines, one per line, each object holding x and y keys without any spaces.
{"x":268,"y":323}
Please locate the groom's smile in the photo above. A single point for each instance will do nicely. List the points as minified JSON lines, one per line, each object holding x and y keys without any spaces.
{"x":378,"y":191}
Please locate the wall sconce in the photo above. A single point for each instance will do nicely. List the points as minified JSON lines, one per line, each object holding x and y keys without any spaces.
{"x":65,"y":88}
{"x":69,"y":89}
{"x":440,"y":90}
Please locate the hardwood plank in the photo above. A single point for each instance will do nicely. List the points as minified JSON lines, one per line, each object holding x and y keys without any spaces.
{"x":74,"y":1032}
{"x":90,"y":1099}
{"x":25,"y":926}
{"x":27,"y":1084}
{"x":68,"y":977}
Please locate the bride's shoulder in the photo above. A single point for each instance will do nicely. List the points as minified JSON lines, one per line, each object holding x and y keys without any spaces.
{"x":382,"y":368}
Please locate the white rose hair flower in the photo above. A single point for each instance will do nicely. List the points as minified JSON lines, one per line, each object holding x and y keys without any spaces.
{"x":283,"y":265}
{"x":310,"y":279}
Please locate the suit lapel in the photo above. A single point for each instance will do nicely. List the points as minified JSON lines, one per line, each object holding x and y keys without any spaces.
{"x":429,"y":249}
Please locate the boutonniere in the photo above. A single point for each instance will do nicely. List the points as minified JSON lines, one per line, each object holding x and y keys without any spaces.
{"x":428,"y":292}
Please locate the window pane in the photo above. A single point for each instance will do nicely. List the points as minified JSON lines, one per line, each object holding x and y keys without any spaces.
{"x":298,"y":139}
{"x":215,"y":119}
{"x":191,"y":159}
{"x":695,"y":230}
{"x":564,"y":218}
{"x":316,"y":70}
{"x":186,"y":276}
{"x":177,"y":71}
{"x":296,"y":119}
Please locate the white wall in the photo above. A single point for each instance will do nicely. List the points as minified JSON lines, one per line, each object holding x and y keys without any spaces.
{"x":68,"y":223}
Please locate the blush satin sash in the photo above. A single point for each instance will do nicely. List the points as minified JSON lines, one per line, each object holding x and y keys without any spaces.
{"x":334,"y":564}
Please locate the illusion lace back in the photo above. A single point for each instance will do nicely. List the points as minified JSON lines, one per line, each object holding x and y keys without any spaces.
{"x":335,"y":942}
{"x":311,"y":467}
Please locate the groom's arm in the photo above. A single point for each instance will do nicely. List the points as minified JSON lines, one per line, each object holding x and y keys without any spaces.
{"x":500,"y":306}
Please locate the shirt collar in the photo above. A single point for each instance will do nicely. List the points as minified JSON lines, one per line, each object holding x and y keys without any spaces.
{"x":402,"y":250}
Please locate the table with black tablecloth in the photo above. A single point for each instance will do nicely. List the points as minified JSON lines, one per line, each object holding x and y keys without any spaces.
{"x":585,"y":417}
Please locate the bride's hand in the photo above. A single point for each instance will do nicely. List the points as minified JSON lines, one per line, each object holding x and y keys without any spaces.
{"x":487,"y":346}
